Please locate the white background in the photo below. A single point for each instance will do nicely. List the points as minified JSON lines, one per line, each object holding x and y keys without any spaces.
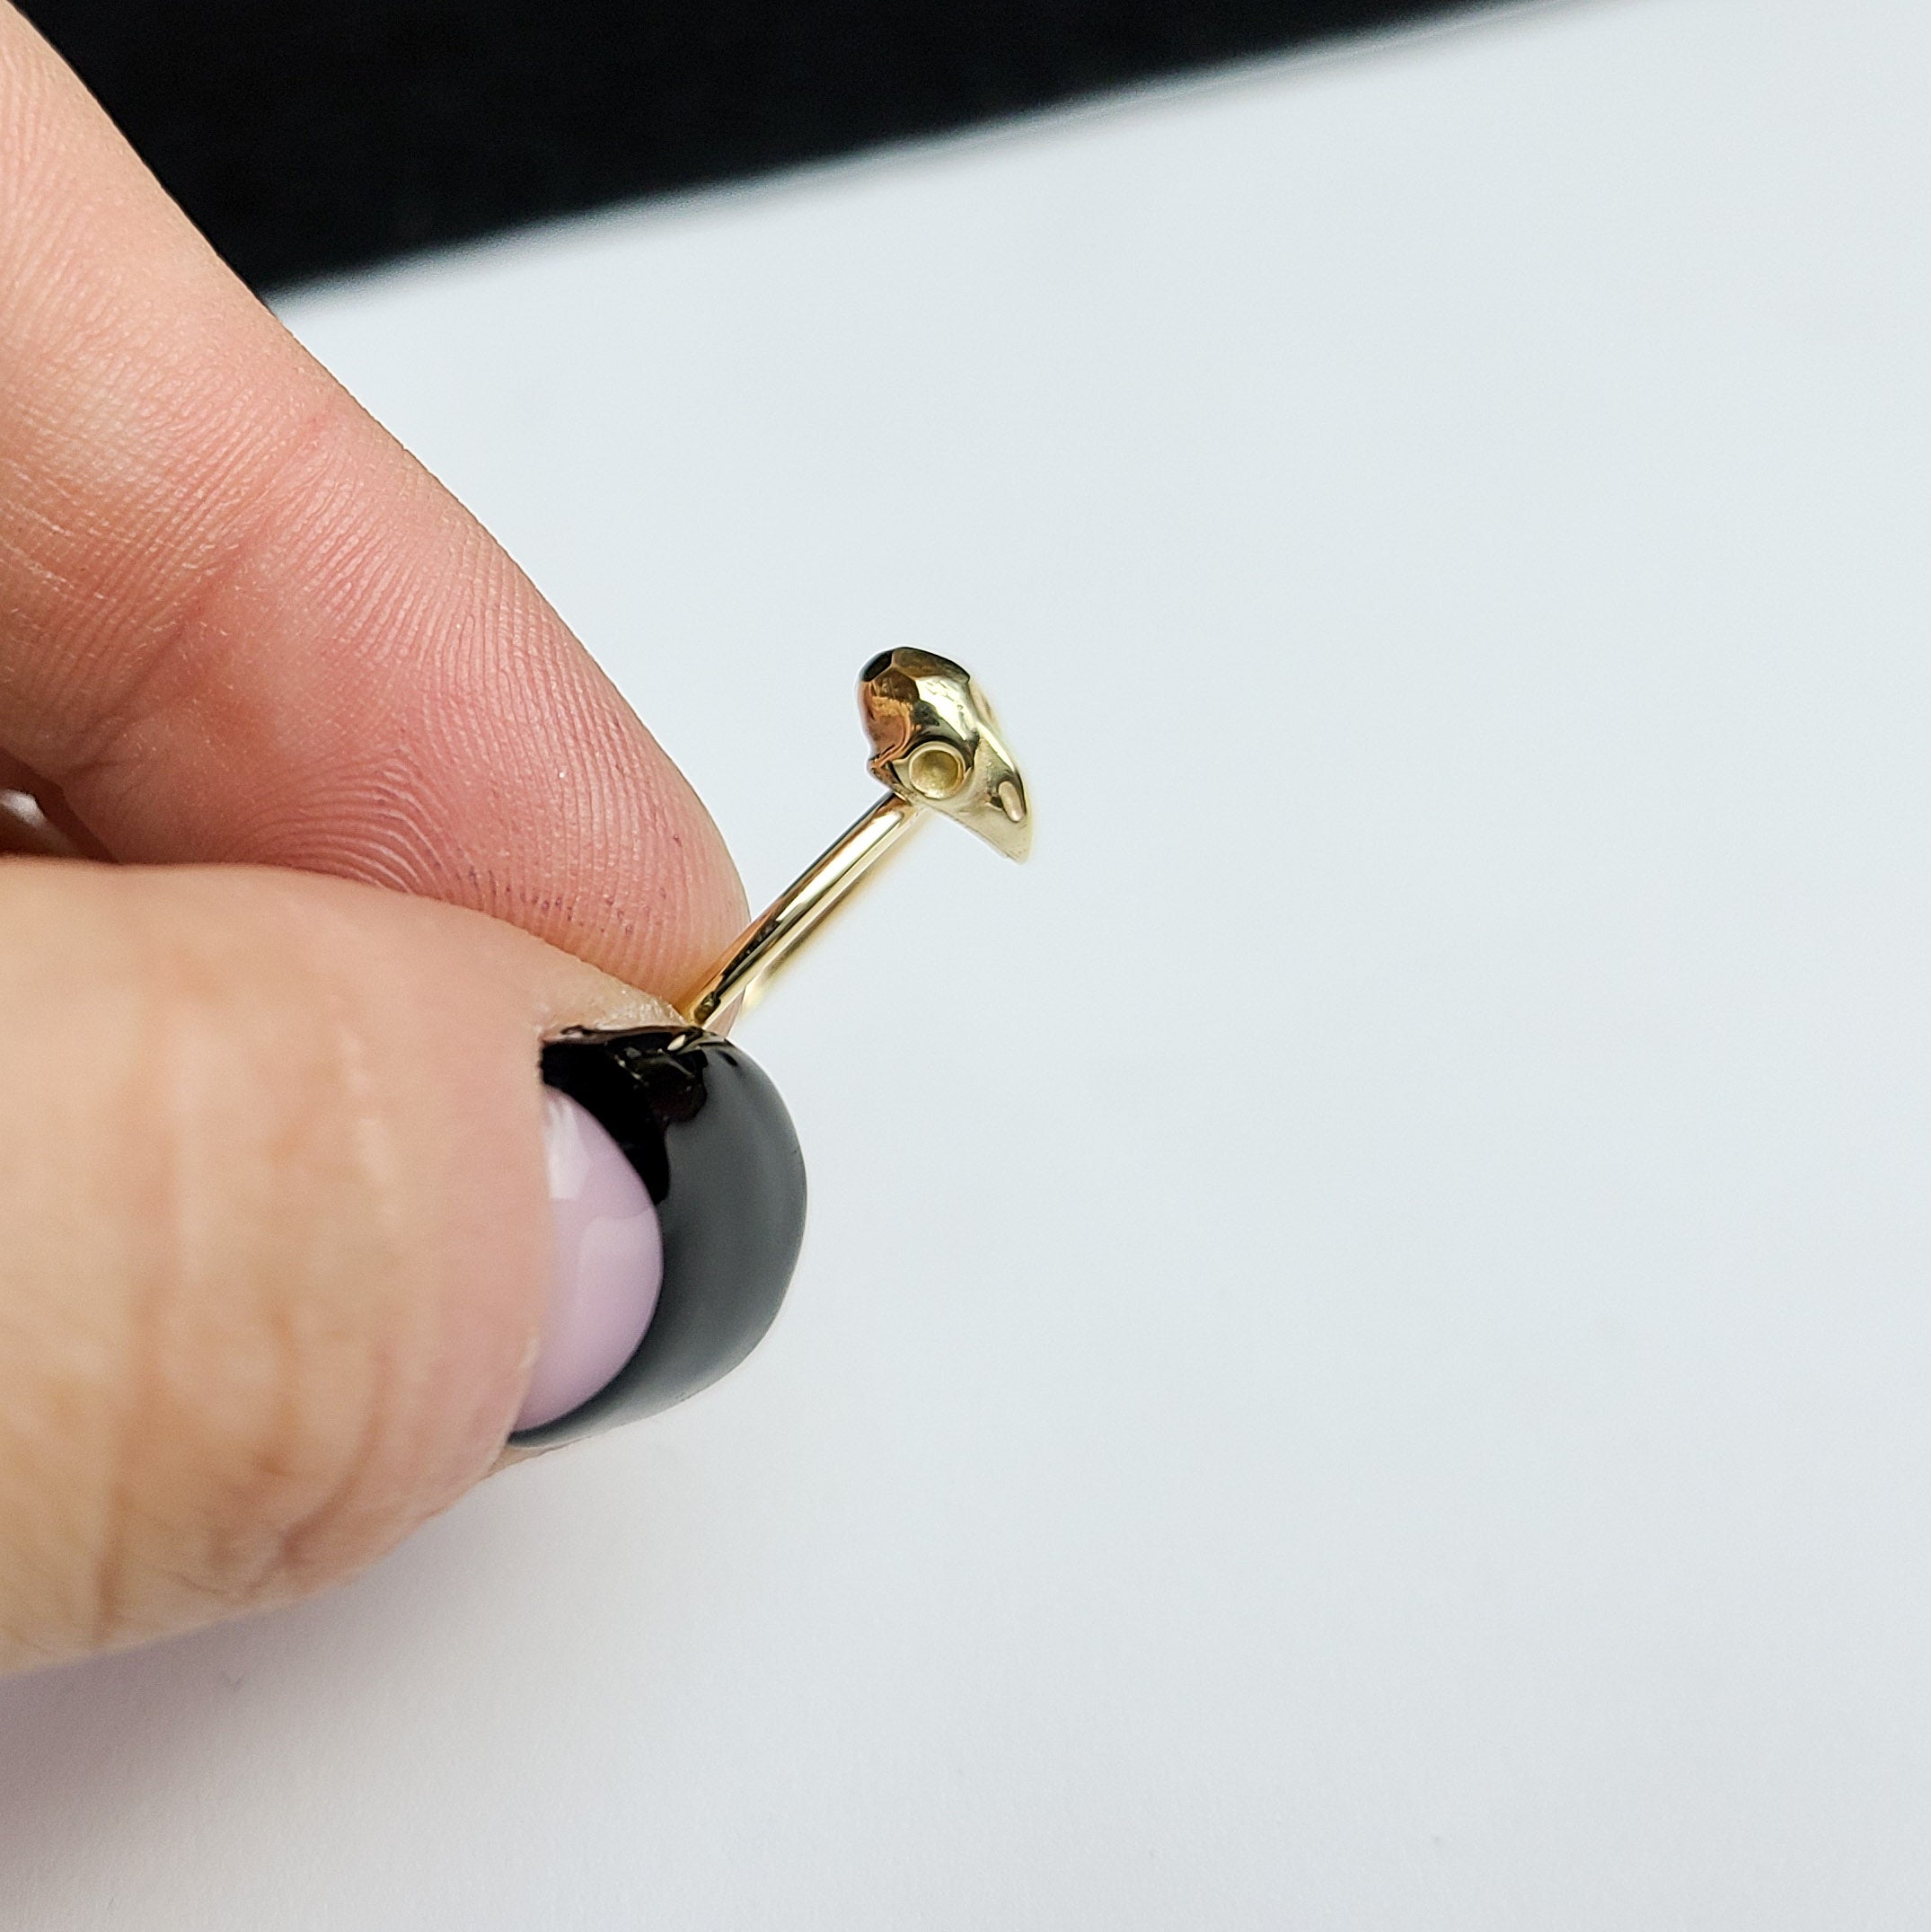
{"x":1364,"y":1354}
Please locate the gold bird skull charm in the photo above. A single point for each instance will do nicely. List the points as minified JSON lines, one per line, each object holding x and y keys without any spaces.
{"x":936,"y":744}
{"x":935,"y":748}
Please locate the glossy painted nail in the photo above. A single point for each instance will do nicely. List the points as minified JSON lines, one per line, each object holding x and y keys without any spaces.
{"x":712,"y":1149}
{"x":607,"y":1265}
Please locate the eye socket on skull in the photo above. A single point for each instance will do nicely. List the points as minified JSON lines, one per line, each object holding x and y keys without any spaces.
{"x":936,"y":770}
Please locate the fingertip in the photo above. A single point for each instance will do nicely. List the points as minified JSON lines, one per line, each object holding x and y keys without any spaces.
{"x":280,"y":1245}
{"x":244,"y":626}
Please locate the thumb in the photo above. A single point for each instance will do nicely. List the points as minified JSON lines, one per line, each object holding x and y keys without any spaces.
{"x":281,"y":1253}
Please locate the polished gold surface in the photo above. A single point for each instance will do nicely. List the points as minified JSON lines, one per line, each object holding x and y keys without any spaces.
{"x":936,"y":743}
{"x":937,"y":748}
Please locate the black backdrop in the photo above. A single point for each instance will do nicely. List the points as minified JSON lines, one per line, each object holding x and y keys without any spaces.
{"x":309,"y":135}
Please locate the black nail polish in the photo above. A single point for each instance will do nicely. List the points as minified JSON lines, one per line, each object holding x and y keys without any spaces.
{"x":711,"y":1140}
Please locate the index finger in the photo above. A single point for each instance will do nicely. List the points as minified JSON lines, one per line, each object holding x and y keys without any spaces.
{"x":238,"y":622}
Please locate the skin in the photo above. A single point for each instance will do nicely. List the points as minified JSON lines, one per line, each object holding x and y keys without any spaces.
{"x":364,"y":823}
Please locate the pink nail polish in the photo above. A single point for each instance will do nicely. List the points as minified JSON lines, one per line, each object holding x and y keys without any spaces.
{"x":608,"y":1264}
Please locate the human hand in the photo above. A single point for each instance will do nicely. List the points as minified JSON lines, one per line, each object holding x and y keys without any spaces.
{"x":274,"y":1229}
